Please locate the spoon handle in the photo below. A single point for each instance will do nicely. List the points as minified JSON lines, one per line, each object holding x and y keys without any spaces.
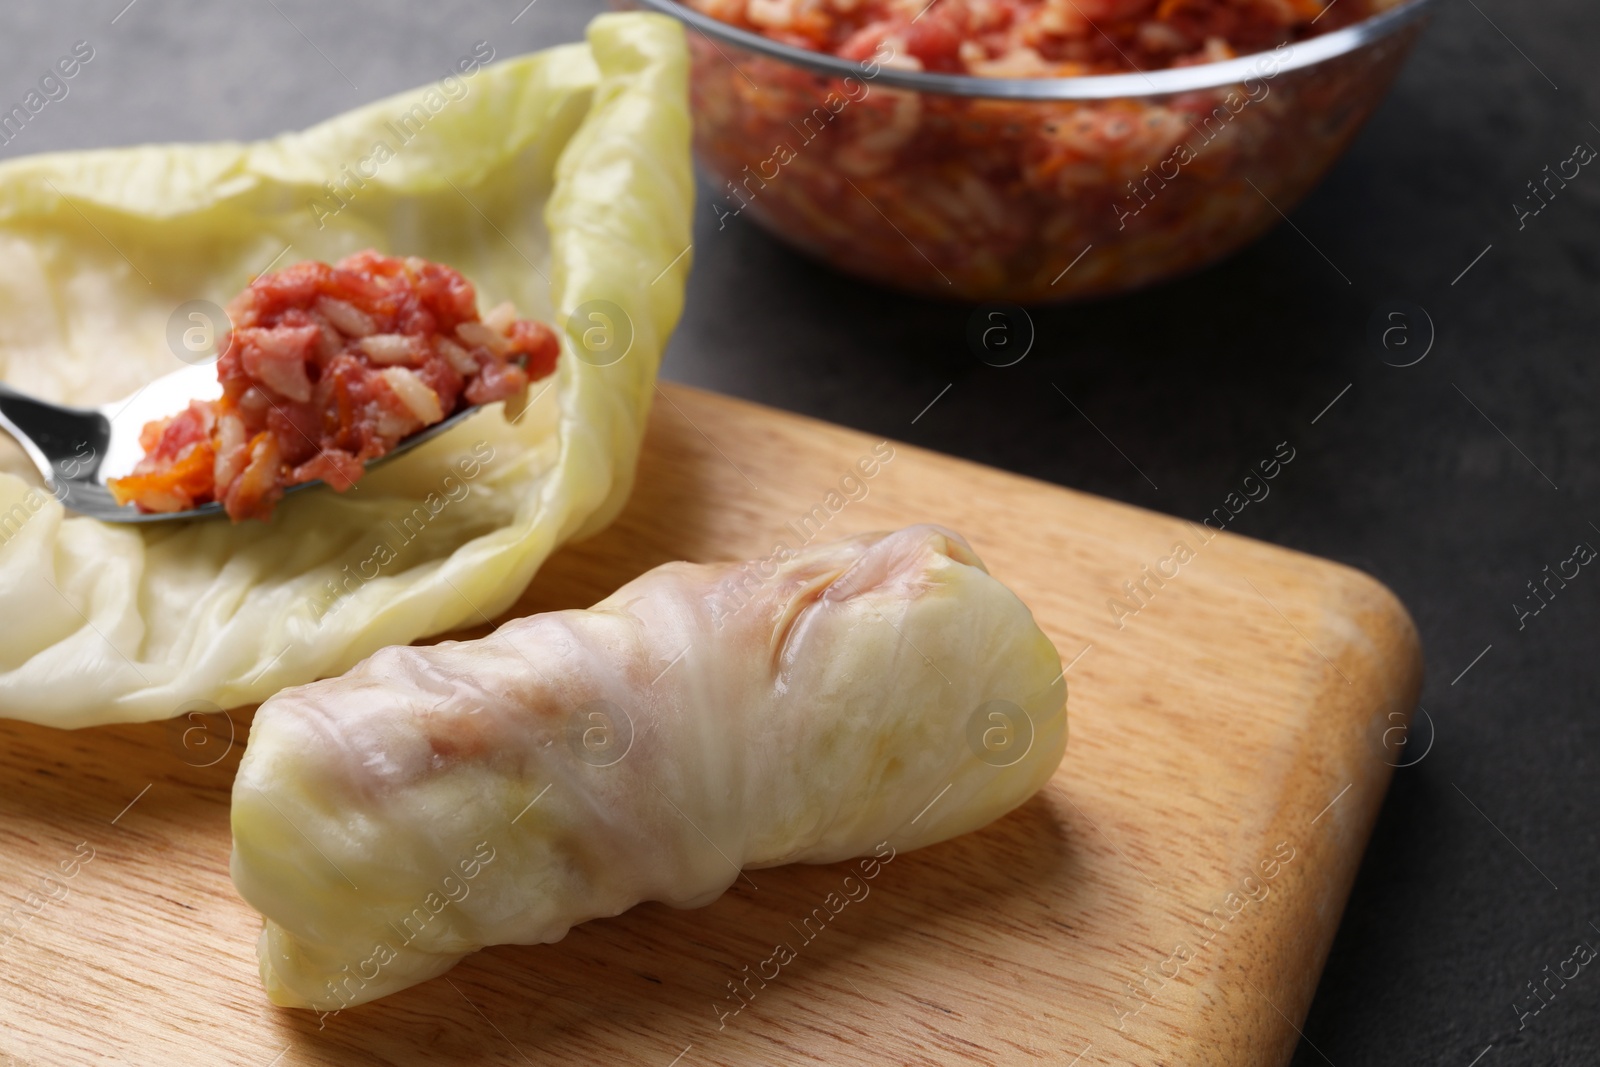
{"x":62,"y":442}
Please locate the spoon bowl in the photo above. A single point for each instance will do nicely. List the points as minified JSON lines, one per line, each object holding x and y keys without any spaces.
{"x":79,"y":450}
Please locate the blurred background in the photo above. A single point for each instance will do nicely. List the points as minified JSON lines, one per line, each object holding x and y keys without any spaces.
{"x":1455,"y":480}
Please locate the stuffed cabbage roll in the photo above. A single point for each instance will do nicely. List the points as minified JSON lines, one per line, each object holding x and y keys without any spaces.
{"x":701,"y":720}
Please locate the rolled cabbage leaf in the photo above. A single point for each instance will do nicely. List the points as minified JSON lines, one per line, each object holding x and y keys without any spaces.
{"x":875,"y":694}
{"x":559,"y":181}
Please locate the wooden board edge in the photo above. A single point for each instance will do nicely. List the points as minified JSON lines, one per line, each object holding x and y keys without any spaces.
{"x":1346,"y":789}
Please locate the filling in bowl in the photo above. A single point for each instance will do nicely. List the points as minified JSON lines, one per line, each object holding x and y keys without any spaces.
{"x":1040,"y":38}
{"x":325,"y":368}
{"x":985,"y":197}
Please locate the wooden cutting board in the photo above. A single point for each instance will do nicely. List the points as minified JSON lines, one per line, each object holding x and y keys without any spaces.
{"x":1169,"y":898}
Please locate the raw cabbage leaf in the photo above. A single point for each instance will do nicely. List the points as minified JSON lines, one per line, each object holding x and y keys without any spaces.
{"x":554,"y":180}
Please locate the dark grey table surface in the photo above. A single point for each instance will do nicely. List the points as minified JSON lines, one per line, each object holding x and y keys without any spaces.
{"x":1455,"y":481}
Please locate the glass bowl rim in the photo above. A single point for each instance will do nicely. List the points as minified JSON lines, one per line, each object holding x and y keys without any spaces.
{"x":1155,"y":83}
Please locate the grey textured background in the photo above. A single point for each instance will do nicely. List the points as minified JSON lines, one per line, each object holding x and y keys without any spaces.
{"x":1457,"y":905}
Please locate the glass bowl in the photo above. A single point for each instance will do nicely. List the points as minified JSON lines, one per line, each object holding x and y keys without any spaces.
{"x":1025,"y":190}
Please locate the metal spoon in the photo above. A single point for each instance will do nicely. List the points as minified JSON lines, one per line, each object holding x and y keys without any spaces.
{"x":79,"y":449}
